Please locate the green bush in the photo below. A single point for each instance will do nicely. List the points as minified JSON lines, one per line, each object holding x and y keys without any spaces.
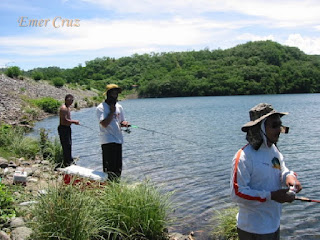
{"x":134,"y":212}
{"x":6,"y":204}
{"x":50,"y":150}
{"x":37,"y":75}
{"x":5,"y":137}
{"x":12,"y":139}
{"x":66,"y":212}
{"x":13,"y":72}
{"x":58,"y":81}
{"x":48,"y":104}
{"x":25,"y":147}
{"x":226,"y":224}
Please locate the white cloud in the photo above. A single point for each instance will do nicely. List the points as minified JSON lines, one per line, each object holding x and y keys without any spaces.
{"x":252,"y":37}
{"x":285,"y":11}
{"x":101,"y":34}
{"x":306,"y":44}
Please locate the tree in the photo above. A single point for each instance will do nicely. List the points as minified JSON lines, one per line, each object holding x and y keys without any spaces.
{"x":13,"y":72}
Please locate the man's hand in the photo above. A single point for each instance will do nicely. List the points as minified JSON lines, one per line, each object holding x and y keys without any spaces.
{"x":76,"y":122}
{"x":125,"y":124}
{"x":112,"y":108}
{"x":293,"y":181}
{"x":282,"y":196}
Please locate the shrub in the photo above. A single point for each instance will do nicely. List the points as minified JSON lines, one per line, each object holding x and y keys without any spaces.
{"x":25,"y":147}
{"x":48,"y":104}
{"x":58,"y":81}
{"x":12,"y":139}
{"x":226,"y":224}
{"x":6,"y":204}
{"x":5,"y":136}
{"x":134,"y":212}
{"x":37,"y":75}
{"x":13,"y":72}
{"x":50,"y":150}
{"x":66,"y":212}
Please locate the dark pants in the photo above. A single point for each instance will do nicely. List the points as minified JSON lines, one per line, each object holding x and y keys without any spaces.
{"x":66,"y":142}
{"x":112,"y":160}
{"x":243,"y":235}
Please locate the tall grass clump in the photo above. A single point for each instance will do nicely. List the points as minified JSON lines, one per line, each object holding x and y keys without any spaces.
{"x":134,"y":212}
{"x":50,"y":150}
{"x":66,"y":212}
{"x":7,"y":209}
{"x":226,"y":224}
{"x":12,"y":139}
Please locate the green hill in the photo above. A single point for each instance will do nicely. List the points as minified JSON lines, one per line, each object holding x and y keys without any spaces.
{"x":262,"y":67}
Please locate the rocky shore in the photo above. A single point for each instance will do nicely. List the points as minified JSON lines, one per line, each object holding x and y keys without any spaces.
{"x":40,"y":175}
{"x":14,"y":108}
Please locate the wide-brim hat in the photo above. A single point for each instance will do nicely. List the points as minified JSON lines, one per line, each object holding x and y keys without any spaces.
{"x":112,"y":86}
{"x":258,"y":113}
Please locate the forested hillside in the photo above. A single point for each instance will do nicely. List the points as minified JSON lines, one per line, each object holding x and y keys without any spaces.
{"x":262,"y":67}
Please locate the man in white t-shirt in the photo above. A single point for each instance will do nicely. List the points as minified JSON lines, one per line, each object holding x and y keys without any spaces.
{"x":111,"y":119}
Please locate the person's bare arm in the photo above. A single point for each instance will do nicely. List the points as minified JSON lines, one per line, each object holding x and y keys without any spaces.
{"x":105,"y":122}
{"x":65,"y":117}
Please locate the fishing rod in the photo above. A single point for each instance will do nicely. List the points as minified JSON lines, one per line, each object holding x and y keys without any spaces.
{"x":128,"y":130}
{"x":153,"y":131}
{"x":87,"y":127}
{"x":304,"y":199}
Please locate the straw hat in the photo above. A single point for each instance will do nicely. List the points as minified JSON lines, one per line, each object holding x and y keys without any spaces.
{"x":258,"y":113}
{"x":112,"y":86}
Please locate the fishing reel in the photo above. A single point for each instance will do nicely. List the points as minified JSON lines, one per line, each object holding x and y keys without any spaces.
{"x":127,"y":130}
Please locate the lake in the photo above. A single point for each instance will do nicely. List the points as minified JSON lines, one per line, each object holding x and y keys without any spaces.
{"x":186,"y":145}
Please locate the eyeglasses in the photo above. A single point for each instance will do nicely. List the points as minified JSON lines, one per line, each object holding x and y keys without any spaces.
{"x":275,"y":125}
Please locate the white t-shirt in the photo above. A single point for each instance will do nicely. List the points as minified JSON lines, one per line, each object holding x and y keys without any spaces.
{"x":112,"y":133}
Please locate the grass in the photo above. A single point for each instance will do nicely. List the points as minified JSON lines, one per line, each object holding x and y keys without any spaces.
{"x":226,"y":226}
{"x":7,"y":209}
{"x":116,"y":211}
{"x":12,"y":140}
{"x":66,"y":212}
{"x":50,"y":150}
{"x":134,"y":211}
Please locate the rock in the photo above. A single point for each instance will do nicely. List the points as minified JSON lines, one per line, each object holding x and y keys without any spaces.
{"x":12,"y":106}
{"x":3,"y":162}
{"x":178,"y":236}
{"x":25,"y":164}
{"x":17,"y":222}
{"x":28,"y":203}
{"x":46,"y":162}
{"x":35,"y":180}
{"x":12,"y":165}
{"x":4,"y":236}
{"x":21,"y":233}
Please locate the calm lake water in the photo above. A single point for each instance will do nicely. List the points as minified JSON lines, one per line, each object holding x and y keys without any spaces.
{"x":190,"y":146}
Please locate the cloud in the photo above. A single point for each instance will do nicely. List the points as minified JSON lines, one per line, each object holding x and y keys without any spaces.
{"x":252,"y":37}
{"x":307,"y":44}
{"x":6,"y":62}
{"x":102,"y":34}
{"x":285,"y":11}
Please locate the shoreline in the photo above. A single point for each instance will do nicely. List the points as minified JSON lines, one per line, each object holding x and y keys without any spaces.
{"x":15,"y":96}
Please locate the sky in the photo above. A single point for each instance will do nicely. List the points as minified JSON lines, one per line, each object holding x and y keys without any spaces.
{"x":66,"y":33}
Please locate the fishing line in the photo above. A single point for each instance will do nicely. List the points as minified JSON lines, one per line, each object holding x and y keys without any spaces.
{"x":165,"y":134}
{"x":304,"y":199}
{"x":88,"y":127}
